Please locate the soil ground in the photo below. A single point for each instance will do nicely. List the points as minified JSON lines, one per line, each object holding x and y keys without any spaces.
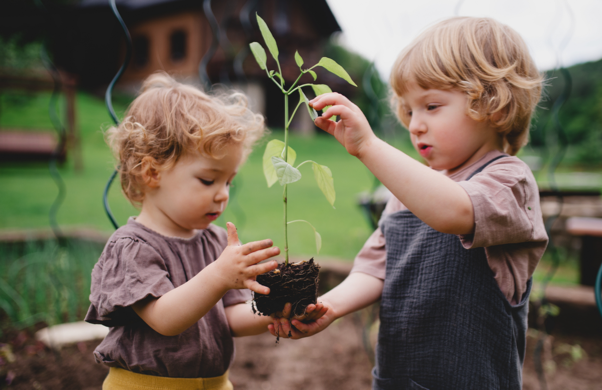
{"x":333,"y":359}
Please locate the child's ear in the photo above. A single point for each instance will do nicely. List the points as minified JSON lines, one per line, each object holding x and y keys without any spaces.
{"x":151,"y":175}
{"x":496,"y":117}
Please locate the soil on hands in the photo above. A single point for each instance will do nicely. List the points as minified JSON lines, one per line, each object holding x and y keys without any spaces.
{"x":295,"y":283}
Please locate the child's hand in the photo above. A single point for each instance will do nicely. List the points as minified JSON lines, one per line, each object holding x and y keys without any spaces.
{"x":237,"y":266}
{"x":352,"y":130}
{"x":316,"y":318}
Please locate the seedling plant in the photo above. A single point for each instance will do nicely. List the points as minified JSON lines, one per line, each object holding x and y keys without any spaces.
{"x":294,"y":283}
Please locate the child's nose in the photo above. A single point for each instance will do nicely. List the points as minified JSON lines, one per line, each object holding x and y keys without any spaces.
{"x":417,"y":126}
{"x":223,"y":193}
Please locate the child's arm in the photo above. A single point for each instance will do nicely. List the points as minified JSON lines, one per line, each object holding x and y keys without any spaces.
{"x":357,"y":291}
{"x":434,"y":198}
{"x":236,"y":268}
{"x":243,"y":322}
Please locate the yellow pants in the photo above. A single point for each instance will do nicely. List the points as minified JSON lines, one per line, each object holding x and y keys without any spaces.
{"x":119,"y":379}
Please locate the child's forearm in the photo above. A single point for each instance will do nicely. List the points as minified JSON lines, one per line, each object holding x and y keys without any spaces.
{"x":357,"y":291}
{"x":180,"y":308}
{"x":243,"y":322}
{"x":434,"y":198}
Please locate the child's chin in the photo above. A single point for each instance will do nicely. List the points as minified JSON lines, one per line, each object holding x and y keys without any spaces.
{"x":203,"y":225}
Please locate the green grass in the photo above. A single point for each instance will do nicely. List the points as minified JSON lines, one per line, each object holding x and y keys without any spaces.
{"x":41,"y":281}
{"x":28,"y":189}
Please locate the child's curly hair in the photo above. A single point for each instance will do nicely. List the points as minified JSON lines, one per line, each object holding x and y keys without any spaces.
{"x":487,"y":60}
{"x":169,"y":119}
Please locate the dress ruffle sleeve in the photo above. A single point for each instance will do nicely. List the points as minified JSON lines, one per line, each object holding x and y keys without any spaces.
{"x":129,"y":270}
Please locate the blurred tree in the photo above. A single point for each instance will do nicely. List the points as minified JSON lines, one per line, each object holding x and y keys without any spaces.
{"x":580,"y":116}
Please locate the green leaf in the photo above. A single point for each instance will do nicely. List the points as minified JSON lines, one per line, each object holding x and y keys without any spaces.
{"x":320,"y":89}
{"x":259,"y":53}
{"x":312,"y":113}
{"x":275,"y":148}
{"x":325,"y":181}
{"x":298,"y":59}
{"x":313,"y":74}
{"x":333,"y":67}
{"x":286,"y":173}
{"x":268,"y":37}
{"x":271,"y":72}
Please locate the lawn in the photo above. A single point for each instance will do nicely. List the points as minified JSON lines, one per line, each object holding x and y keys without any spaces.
{"x":28,"y":190}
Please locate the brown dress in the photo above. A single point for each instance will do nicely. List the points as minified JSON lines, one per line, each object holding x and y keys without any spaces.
{"x":138,"y":262}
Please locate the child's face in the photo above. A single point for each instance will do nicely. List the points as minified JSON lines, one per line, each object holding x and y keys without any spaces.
{"x":441,"y":131}
{"x":194,"y":192}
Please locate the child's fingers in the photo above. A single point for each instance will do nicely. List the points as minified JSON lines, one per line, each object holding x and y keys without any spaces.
{"x":329,"y":99}
{"x":232,"y":234}
{"x":304,"y":328}
{"x":326,"y":124}
{"x":261,"y":255}
{"x":285,"y":313}
{"x":261,"y":268}
{"x":343,"y":111}
{"x":318,"y":313}
{"x":254,"y":285}
{"x":313,"y":314}
{"x":256,"y":245}
{"x":272,"y":330}
{"x":285,"y":327}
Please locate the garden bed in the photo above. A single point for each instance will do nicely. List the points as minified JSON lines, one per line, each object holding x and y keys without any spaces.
{"x":333,"y":359}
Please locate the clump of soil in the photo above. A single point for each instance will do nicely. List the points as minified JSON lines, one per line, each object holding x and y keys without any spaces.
{"x":295,"y":283}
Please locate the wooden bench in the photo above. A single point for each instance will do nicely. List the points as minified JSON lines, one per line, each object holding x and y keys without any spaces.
{"x":29,"y":146}
{"x":590,"y":259}
{"x":16,"y":145}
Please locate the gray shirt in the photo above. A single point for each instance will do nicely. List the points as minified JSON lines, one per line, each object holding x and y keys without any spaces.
{"x":138,"y":262}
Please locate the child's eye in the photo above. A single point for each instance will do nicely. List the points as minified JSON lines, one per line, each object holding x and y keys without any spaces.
{"x":431,"y":107}
{"x":207,"y":182}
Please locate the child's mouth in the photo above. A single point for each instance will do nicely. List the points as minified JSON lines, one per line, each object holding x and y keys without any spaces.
{"x":424,"y":149}
{"x":212,"y":216}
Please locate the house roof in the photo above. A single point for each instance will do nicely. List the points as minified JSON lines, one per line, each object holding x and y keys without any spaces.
{"x":321,"y":15}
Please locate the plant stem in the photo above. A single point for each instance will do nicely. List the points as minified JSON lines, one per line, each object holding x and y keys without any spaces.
{"x":286,"y":185}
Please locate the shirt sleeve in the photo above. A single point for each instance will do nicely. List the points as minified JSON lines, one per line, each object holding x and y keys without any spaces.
{"x":128,"y":271}
{"x":372,"y":257}
{"x":506,"y":206}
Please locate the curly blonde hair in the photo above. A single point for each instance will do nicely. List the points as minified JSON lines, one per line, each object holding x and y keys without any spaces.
{"x":169,"y":119}
{"x":483,"y":58}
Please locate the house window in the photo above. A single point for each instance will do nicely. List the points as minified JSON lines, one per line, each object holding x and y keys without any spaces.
{"x":178,"y":45}
{"x":141,"y":46}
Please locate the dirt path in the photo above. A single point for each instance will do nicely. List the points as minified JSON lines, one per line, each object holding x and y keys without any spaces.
{"x":332,"y":360}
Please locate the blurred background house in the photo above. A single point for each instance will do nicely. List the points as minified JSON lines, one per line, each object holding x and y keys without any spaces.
{"x":196,"y":41}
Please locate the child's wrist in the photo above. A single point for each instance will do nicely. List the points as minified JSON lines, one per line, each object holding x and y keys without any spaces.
{"x":368,"y":146}
{"x":213,"y":278}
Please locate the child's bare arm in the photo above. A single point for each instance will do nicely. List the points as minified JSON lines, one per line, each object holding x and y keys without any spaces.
{"x":236,"y":268}
{"x":243,"y":322}
{"x":357,"y":291}
{"x":434,"y":198}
